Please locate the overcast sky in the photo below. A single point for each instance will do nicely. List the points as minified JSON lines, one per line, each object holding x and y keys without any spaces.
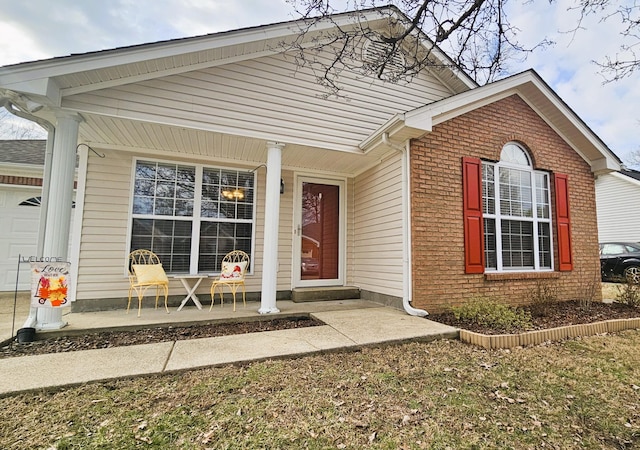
{"x":40,"y":29}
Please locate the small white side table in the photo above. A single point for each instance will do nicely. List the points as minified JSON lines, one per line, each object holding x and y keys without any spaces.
{"x":191,"y":289}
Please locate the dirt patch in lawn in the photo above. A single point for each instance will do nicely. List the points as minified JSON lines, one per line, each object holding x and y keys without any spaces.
{"x":150,"y":335}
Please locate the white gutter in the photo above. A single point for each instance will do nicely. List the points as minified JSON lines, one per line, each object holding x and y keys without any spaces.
{"x":406,"y":227}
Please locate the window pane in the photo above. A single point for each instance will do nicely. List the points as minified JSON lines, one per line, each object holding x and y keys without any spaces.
{"x":168,"y":190}
{"x":166,"y":172}
{"x":542,"y":195}
{"x":145,"y":170}
{"x":142,"y":205}
{"x":218,"y":239}
{"x":228,"y":210}
{"x":169,"y":239}
{"x":490,"y":253}
{"x":515,"y":192}
{"x":514,"y":154}
{"x":488,"y":190}
{"x":544,"y":245}
{"x":184,"y":208}
{"x":517,"y":244}
{"x":164,"y":207}
{"x":144,"y":187}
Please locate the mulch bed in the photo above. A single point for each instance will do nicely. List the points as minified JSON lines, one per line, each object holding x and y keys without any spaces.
{"x":551,"y":316}
{"x":544,"y":316}
{"x":150,"y":335}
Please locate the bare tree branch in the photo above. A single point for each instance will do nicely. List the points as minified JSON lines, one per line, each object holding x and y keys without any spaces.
{"x":12,"y":127}
{"x":625,"y":62}
{"x":475,"y":34}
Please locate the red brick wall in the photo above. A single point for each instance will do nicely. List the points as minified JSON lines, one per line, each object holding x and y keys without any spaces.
{"x":439,"y":279}
{"x":22,"y":181}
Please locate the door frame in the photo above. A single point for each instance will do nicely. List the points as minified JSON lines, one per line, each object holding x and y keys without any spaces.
{"x":296,"y":275}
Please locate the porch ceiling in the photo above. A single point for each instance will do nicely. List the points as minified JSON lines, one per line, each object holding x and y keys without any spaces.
{"x":166,"y":141}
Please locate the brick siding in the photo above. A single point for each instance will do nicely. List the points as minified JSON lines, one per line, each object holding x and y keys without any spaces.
{"x":21,"y":181}
{"x":439,"y":279}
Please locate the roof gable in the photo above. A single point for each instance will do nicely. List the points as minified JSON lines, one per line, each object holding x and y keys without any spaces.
{"x":49,"y":80}
{"x":535,"y":92}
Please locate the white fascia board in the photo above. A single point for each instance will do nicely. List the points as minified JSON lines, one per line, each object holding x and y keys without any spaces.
{"x":604,"y":166}
{"x":374,"y":138}
{"x":422,"y":120}
{"x":134,"y":54}
{"x":520,"y":84}
{"x":398,"y":129}
{"x":41,"y":90}
{"x":131,"y":55}
{"x":459,"y":104}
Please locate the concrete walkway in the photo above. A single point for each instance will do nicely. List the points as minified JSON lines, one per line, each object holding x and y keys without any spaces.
{"x":349,"y":324}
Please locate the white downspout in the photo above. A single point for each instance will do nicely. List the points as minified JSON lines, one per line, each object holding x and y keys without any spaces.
{"x":406,"y":227}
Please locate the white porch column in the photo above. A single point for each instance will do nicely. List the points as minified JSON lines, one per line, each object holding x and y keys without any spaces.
{"x":58,"y":206}
{"x":271,"y":229}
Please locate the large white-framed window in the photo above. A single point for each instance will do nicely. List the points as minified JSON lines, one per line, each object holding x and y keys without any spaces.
{"x":191,"y":215}
{"x":516,"y":202}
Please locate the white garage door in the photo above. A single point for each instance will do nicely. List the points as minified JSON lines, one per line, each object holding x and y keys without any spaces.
{"x":18,"y":236}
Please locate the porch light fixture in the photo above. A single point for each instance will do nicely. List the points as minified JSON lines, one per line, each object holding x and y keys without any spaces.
{"x":235,"y":194}
{"x":281,"y":186}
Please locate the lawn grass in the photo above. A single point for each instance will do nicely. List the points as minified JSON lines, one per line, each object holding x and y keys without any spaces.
{"x":578,"y":394}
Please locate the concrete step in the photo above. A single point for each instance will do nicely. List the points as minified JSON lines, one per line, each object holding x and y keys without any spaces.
{"x":299,"y":295}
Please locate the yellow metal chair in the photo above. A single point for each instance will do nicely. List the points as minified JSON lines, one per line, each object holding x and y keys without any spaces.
{"x":145,"y":271}
{"x":234,"y":267}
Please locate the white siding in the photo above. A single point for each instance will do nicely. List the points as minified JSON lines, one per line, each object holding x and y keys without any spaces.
{"x":103,"y":245}
{"x":377,"y":229}
{"x":618,"y":208}
{"x":267,"y":98}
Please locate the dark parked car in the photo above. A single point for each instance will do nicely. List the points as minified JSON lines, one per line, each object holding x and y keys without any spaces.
{"x":620,"y":260}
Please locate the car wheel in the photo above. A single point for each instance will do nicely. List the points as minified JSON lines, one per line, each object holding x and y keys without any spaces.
{"x":632,"y":274}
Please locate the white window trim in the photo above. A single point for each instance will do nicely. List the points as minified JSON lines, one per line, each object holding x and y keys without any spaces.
{"x":195,"y":243}
{"x":498,"y":217}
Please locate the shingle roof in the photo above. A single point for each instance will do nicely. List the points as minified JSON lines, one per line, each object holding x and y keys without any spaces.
{"x":631,"y":173}
{"x":23,"y":151}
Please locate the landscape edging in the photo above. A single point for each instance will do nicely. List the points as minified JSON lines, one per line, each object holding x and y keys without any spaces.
{"x":537,"y":337}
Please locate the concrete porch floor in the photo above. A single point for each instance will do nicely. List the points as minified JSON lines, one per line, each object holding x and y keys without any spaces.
{"x":119,"y":319}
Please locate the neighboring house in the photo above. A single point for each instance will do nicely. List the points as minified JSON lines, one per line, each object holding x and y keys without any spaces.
{"x":618,"y":206}
{"x":424,"y":194}
{"x":21,"y":174}
{"x":21,"y":164}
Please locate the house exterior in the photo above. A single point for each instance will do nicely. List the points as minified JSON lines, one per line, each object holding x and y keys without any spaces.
{"x":21,"y":164}
{"x":21,"y":179}
{"x":617,"y":195}
{"x":222,"y":141}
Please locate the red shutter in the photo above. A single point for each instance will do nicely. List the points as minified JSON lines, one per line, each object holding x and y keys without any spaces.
{"x":563,"y":223}
{"x":473,"y":223}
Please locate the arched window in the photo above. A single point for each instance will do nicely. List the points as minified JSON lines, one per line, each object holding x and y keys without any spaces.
{"x":516,"y":212}
{"x":33,"y":201}
{"x":37,"y":201}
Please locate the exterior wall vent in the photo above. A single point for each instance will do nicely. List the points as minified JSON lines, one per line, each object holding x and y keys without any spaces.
{"x":374,"y":54}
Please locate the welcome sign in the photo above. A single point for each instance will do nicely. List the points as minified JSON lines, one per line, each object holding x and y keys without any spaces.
{"x":49,"y":283}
